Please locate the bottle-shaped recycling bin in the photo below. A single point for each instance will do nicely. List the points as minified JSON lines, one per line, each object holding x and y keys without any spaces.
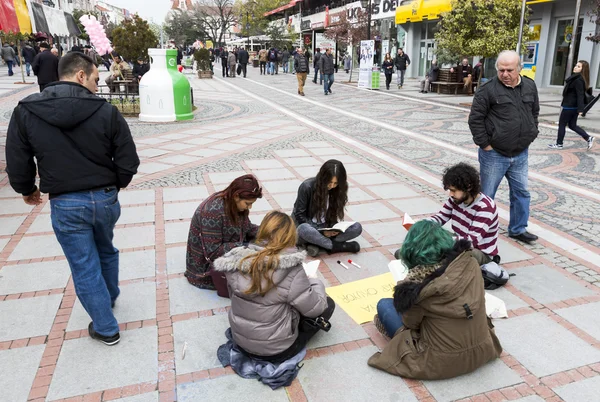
{"x":164,"y":92}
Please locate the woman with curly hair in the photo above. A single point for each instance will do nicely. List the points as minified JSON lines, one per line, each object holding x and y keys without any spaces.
{"x":320,"y":204}
{"x":437,"y":318}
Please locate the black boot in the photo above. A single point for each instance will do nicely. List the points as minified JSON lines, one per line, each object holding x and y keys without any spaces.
{"x":344,"y":247}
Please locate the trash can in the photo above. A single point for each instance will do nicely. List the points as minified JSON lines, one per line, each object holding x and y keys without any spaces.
{"x":255,"y":62}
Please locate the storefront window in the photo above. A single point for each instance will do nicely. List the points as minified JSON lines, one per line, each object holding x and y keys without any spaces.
{"x":426,"y":46}
{"x":564,"y":38}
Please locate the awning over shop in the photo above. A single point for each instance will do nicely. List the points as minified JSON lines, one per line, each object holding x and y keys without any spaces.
{"x":14,"y":16}
{"x":53,"y":21}
{"x":284,"y":7}
{"x":421,"y":10}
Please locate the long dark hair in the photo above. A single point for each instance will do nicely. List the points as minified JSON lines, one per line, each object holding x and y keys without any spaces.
{"x":585,"y":73}
{"x":337,"y":197}
{"x":247,"y":188}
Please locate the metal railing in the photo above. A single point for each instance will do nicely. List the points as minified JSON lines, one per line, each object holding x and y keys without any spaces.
{"x":126,"y":97}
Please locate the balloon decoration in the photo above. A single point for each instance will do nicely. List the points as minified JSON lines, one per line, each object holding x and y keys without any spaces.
{"x":97,"y":34}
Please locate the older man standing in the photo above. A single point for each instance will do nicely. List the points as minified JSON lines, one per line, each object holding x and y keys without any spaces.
{"x":504,"y":121}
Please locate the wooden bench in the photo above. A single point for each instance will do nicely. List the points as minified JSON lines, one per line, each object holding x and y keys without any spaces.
{"x":447,"y":82}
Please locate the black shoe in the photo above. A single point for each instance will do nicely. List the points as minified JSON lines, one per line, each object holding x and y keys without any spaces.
{"x":496,"y":259}
{"x":525,"y":237}
{"x":344,"y":247}
{"x":330,"y":91}
{"x":107,"y":340}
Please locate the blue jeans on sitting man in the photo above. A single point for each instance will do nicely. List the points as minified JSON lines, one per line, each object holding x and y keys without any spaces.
{"x":83,"y":223}
{"x":389,"y":317}
{"x":495,"y":166}
{"x":327,"y":82}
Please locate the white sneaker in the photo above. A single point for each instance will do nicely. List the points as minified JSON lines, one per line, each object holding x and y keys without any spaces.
{"x":559,"y":146}
{"x":590,"y":142}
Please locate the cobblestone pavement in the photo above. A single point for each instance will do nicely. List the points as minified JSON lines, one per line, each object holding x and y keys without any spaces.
{"x":395,"y":147}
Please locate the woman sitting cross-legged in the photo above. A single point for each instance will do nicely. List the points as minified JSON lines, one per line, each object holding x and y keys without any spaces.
{"x":220,"y":224}
{"x":437,"y":318}
{"x":271,"y":295}
{"x":320,"y":203}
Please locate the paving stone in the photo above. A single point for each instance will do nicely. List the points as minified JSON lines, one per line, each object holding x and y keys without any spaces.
{"x":315,"y":144}
{"x":227,"y":146}
{"x":547,"y":285}
{"x":238,"y":389}
{"x":261,"y":204}
{"x":14,"y":206}
{"x":8,"y":192}
{"x":8,"y":226}
{"x":355,"y":168}
{"x":247,"y":141}
{"x":530,"y":398}
{"x":148,"y":397}
{"x":581,"y":317}
{"x":153,"y":167}
{"x":133,"y":197}
{"x":363,"y":242}
{"x":151,"y":152}
{"x":273,"y":174}
{"x":346,"y":159}
{"x":417,"y":206}
{"x":137,"y":264}
{"x":136,"y":302}
{"x":179,"y":159}
{"x":303,"y":161}
{"x":282,"y":186}
{"x":28,"y":317}
{"x":581,"y":391}
{"x":185,"y":298}
{"x":326,"y":152}
{"x":391,"y":191}
{"x":86,"y":365}
{"x":557,"y":349}
{"x":36,"y":247}
{"x":257,"y":218}
{"x":290,"y":153}
{"x":372,"y":178}
{"x":264,"y":164}
{"x":307,"y":172}
{"x":205,"y":153}
{"x":355,"y":194}
{"x":371,"y":263}
{"x":177,"y":146}
{"x":197,"y":193}
{"x":200,"y":141}
{"x":370,"y":212}
{"x":492,"y":376}
{"x":343,"y":329}
{"x":343,"y":369}
{"x":24,"y":278}
{"x":285,"y":200}
{"x":266,"y":136}
{"x":226,"y":177}
{"x":180,"y":210}
{"x":138,"y":236}
{"x":3,"y":242}
{"x":203,"y":336}
{"x":175,"y":136}
{"x":152,"y":141}
{"x":19,"y":367}
{"x":386,"y":233}
{"x":197,"y":131}
{"x":511,"y":253}
{"x":139,"y":214}
{"x":177,"y":232}
{"x":512,"y":302}
{"x":176,"y":259}
{"x":41,"y":224}
{"x":224,"y":136}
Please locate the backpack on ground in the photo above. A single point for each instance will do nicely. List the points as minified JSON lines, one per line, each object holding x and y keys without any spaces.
{"x":494,"y":276}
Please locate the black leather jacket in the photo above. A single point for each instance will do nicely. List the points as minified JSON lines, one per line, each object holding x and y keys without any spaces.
{"x":301,"y":212}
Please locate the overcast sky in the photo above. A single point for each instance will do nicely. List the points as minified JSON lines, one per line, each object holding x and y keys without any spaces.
{"x":147,"y":9}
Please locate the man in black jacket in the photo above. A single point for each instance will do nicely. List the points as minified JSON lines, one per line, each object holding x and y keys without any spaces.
{"x":401,"y":62}
{"x":302,"y":69}
{"x":326,"y":66}
{"x":85,"y":154}
{"x":243,"y":58}
{"x":28,"y":55}
{"x":45,"y":66}
{"x":504,"y":122}
{"x":316,"y":60}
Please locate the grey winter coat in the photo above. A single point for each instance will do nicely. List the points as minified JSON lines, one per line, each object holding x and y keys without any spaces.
{"x":231,"y":59}
{"x":7,"y":53}
{"x":326,"y":64}
{"x":268,"y":325}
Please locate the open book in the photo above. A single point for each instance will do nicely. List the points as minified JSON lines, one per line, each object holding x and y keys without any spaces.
{"x":311,"y":267}
{"x":407,"y":221}
{"x":398,"y":270}
{"x":338,"y":227}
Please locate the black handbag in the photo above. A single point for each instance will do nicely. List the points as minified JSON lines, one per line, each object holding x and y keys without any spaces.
{"x":588,"y":96}
{"x":314,"y":324}
{"x":239,"y":69}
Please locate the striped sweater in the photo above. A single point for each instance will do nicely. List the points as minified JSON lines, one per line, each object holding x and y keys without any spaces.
{"x":477,"y":222}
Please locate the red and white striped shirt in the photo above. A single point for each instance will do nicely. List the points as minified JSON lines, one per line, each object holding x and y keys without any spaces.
{"x":477,"y":222}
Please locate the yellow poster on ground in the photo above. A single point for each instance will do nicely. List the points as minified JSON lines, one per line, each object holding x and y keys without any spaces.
{"x":359,"y":299}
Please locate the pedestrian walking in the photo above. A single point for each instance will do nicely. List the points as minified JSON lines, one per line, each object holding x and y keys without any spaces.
{"x":316,"y":60}
{"x":432,"y":76}
{"x":45,"y":66}
{"x":401,"y":62}
{"x":243,"y":58}
{"x":503,"y":130}
{"x":262,"y":59}
{"x":225,"y":62}
{"x":85,"y":154}
{"x":272,"y":61}
{"x":327,"y":68}
{"x":231,"y":60}
{"x":348,"y":62}
{"x":388,"y":69}
{"x":285,"y":59}
{"x":28,"y":56}
{"x":9,"y":57}
{"x":302,"y":69}
{"x":573,"y":104}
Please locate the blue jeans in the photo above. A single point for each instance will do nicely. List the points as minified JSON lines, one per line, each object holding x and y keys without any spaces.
{"x":493,"y":167}
{"x":271,"y":67}
{"x":318,"y":75}
{"x":389,"y":317}
{"x":28,"y":68}
{"x":327,"y":82}
{"x":311,"y":235}
{"x":83,"y":223}
{"x":286,"y":65}
{"x":9,"y":64}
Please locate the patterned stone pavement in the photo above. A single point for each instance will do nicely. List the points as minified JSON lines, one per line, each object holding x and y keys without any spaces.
{"x":394,"y":147}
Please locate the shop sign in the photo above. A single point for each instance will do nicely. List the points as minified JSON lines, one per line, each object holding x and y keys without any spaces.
{"x":387,"y":9}
{"x":305,"y":25}
{"x":335,"y":19}
{"x":317,"y":25}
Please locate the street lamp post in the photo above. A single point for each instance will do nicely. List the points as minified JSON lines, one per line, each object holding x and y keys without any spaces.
{"x":367,"y":4}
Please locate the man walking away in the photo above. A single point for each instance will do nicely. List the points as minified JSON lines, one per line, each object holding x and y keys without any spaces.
{"x":85,"y":154}
{"x":302,"y":69}
{"x":28,"y":55}
{"x":9,"y":56}
{"x":231,"y":60}
{"x":402,"y":61}
{"x":272,"y":60}
{"x":285,"y":59}
{"x":326,"y":66}
{"x":262,"y":58}
{"x":503,"y":131}
{"x":45,"y":66}
{"x":243,"y":58}
{"x":316,"y":60}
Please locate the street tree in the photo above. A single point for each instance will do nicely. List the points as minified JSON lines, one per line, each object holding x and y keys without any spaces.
{"x":594,"y":14}
{"x":251,"y":15}
{"x":350,"y":31}
{"x":216,"y":17}
{"x":471,"y":28}
{"x":184,"y":27}
{"x":133,"y":37}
